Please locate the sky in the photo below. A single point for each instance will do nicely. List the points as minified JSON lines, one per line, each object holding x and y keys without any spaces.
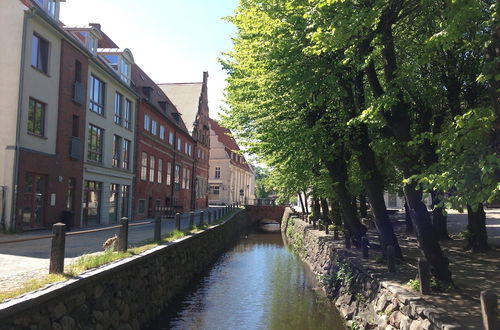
{"x":171,"y":40}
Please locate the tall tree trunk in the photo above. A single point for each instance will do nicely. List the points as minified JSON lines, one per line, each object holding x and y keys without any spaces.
{"x":373,"y":180}
{"x":336,"y":216}
{"x":398,"y":120}
{"x":306,"y":202}
{"x":326,"y":214}
{"x":439,"y":220}
{"x":409,"y":223}
{"x":338,"y":173}
{"x":302,"y":203}
{"x":478,"y":238}
{"x":316,"y":211}
{"x":363,"y":208}
{"x":355,"y":204}
{"x":426,"y":236}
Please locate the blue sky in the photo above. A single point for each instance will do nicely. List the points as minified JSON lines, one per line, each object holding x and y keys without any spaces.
{"x":172,"y":40}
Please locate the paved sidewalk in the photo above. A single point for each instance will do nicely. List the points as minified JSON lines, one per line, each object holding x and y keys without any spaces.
{"x":25,"y":260}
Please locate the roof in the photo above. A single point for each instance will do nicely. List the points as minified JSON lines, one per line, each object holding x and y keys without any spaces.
{"x":224,"y":137}
{"x":139,"y":80}
{"x":186,"y":98}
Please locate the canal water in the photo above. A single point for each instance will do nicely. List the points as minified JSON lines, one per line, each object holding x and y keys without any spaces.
{"x":258,"y":284}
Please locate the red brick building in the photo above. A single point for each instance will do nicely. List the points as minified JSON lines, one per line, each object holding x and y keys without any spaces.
{"x":164,"y":152}
{"x":49,"y":171}
{"x":191,"y":99}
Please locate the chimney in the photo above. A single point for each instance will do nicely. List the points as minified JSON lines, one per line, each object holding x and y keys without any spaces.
{"x":96,"y":25}
{"x":205,"y":77}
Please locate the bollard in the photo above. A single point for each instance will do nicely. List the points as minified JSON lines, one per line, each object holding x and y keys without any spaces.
{"x":178,"y":221}
{"x":202,"y":220}
{"x":489,"y":310}
{"x":157,"y":236}
{"x":424,"y":276}
{"x":57,"y":251}
{"x":123,"y":235}
{"x":191,"y":220}
{"x":347,"y":239}
{"x":209,"y":220}
{"x":391,"y":259}
{"x":364,"y":247}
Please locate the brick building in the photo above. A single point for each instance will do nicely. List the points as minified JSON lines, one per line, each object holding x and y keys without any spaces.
{"x":164,"y":156}
{"x":42,"y":117}
{"x":191,"y":100}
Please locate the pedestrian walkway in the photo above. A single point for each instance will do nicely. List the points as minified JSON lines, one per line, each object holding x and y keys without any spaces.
{"x":26,"y":260}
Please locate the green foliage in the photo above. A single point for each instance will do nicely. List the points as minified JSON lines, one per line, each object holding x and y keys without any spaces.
{"x":414,"y":284}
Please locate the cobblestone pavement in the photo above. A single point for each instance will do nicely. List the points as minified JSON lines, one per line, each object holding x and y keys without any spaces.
{"x":23,"y":261}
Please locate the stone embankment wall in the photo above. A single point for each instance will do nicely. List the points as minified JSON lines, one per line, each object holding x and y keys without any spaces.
{"x":365,"y":301}
{"x":128,"y":294}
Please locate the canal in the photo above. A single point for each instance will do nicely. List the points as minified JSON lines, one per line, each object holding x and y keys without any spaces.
{"x":258,"y":284}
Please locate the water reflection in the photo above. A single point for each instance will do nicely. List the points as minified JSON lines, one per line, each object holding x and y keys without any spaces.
{"x":259,"y":284}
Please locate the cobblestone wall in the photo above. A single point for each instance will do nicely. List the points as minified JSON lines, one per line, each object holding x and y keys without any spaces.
{"x":128,"y":294}
{"x":365,"y":302}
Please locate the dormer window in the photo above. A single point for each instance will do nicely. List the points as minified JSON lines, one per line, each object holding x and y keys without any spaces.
{"x":51,"y":7}
{"x":89,"y":36}
{"x":119,"y":60}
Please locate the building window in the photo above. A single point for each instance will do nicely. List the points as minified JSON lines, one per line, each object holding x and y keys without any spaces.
{"x":177,"y":176}
{"x":70,"y":201}
{"x":188,"y":178}
{"x":113,"y":202}
{"x":160,"y":169}
{"x":126,"y":154}
{"x":118,"y":108}
{"x":141,"y":209}
{"x":124,"y":70}
{"x":199,"y":153}
{"x":91,"y":202}
{"x":127,"y":123}
{"x":39,"y":53}
{"x":147,"y":122}
{"x":117,"y":146}
{"x":151,"y":168}
{"x":125,"y":200}
{"x":217,"y":172}
{"x":190,"y":150}
{"x":162,"y":132}
{"x":179,"y":144}
{"x":144,"y":166}
{"x":169,"y":173}
{"x":153,"y":127}
{"x":171,"y":137}
{"x":96,"y":139}
{"x":96,"y":95}
{"x":36,"y":118}
{"x":215,"y":190}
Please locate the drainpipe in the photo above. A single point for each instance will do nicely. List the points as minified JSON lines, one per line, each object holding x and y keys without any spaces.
{"x":193,"y":177}
{"x":27,"y":15}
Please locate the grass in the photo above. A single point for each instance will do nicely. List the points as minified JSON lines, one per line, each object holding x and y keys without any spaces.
{"x":90,"y":261}
{"x":33,"y":285}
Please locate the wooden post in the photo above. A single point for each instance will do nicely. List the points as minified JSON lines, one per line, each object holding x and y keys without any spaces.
{"x":57,"y":251}
{"x":191,"y":220}
{"x":391,"y":259}
{"x":424,"y":276}
{"x":209,"y":217}
{"x":364,"y":247}
{"x":202,"y":218}
{"x":489,"y":310}
{"x":157,"y":236}
{"x":347,"y":239}
{"x":178,"y":221}
{"x":123,"y":235}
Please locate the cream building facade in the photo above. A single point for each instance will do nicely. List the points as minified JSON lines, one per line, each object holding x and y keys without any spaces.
{"x":231,"y":178}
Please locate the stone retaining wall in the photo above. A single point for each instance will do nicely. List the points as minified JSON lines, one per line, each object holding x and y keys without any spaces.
{"x":365,"y":301}
{"x":127,"y":294}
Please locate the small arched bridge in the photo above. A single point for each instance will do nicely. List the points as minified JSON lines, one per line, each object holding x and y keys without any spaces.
{"x":265,"y":213}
